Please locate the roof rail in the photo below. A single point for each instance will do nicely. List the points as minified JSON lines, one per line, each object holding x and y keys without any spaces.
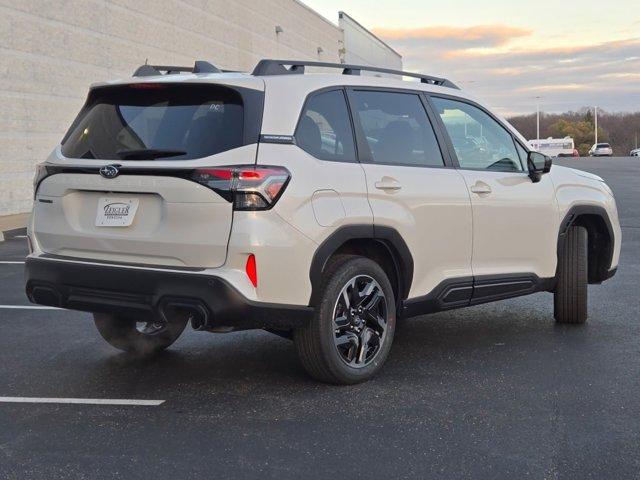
{"x":198,"y":67}
{"x":279,"y":67}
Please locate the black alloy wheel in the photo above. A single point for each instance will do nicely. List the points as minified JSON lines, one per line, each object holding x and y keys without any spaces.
{"x":359,"y":316}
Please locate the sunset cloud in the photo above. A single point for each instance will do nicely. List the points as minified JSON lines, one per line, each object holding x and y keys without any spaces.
{"x":480,"y":35}
{"x":491,"y":62}
{"x":622,"y":50}
{"x":557,"y":88}
{"x":623,"y":75}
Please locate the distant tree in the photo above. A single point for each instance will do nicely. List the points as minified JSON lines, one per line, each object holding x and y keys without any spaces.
{"x":580,"y":131}
{"x":588,"y":116}
{"x":525,"y":124}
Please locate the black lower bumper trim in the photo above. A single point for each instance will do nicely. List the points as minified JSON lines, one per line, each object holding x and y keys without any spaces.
{"x":144,"y":292}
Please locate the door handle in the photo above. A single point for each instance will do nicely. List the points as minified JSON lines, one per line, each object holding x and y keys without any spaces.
{"x":481,"y":188}
{"x":388,"y":184}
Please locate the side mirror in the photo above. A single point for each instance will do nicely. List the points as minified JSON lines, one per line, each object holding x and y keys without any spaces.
{"x":538,"y":164}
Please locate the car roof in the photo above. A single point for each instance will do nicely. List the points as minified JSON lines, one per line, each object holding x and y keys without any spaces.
{"x":310,"y":82}
{"x":287,"y":89}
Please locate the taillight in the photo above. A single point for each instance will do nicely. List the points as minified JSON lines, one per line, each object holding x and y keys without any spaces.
{"x":249,"y":187}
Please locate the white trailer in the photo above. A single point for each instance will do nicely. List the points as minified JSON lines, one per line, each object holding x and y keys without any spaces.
{"x":554,"y":147}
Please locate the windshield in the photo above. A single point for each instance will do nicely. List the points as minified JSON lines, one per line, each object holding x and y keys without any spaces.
{"x":150,"y":121}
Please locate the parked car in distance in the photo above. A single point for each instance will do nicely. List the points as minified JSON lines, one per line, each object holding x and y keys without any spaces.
{"x":601,"y":150}
{"x":635,"y":152}
{"x":319,"y":207}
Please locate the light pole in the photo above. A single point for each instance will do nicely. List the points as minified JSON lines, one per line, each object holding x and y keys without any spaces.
{"x":595,"y":116}
{"x":538,"y":119}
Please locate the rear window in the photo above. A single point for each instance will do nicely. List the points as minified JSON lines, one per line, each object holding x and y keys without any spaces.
{"x":602,"y":145}
{"x":150,"y":121}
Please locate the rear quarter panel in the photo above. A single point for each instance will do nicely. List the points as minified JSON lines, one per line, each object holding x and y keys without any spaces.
{"x":321,"y":197}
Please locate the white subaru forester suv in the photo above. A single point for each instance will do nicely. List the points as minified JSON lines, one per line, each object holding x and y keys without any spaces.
{"x":321,"y":207}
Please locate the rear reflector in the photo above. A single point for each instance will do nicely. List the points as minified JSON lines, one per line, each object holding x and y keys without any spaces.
{"x":251,"y":270}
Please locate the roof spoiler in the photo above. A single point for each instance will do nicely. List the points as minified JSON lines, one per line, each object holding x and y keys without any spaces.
{"x":199,"y":66}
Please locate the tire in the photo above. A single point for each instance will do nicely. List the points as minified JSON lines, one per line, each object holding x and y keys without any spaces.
{"x":123,"y":333}
{"x":344,"y":346}
{"x":570,"y":298}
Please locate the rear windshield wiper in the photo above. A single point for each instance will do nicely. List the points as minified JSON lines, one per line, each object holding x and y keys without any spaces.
{"x":148,"y":154}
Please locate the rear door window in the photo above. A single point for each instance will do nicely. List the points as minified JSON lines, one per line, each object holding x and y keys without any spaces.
{"x":324,"y":129}
{"x":397,"y":129}
{"x":150,"y":121}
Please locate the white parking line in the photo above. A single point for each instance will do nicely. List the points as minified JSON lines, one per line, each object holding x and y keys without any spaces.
{"x":6,"y":262}
{"x":82,"y":401}
{"x":28,"y":307}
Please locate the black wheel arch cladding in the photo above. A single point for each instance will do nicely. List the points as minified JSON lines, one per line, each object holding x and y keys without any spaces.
{"x":383,"y":237}
{"x":601,"y":238}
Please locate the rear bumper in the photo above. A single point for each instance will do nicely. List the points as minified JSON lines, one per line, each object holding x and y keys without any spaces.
{"x":211,"y":301}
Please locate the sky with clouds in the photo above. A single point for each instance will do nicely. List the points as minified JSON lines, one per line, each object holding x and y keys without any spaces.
{"x":570,"y":54}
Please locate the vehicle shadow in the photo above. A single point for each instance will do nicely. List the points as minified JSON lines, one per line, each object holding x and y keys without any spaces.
{"x":484,"y":341}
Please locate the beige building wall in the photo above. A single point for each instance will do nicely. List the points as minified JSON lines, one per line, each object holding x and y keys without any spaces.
{"x":50,"y":51}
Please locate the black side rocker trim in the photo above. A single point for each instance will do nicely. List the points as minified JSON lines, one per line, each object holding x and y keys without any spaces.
{"x":467,"y":291}
{"x":211,"y":301}
{"x":447,"y":295}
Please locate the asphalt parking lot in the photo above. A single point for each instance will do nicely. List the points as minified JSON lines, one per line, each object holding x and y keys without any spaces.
{"x":494,"y":391}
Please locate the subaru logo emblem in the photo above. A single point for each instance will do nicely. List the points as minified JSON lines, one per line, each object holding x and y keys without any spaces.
{"x":110,"y":171}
